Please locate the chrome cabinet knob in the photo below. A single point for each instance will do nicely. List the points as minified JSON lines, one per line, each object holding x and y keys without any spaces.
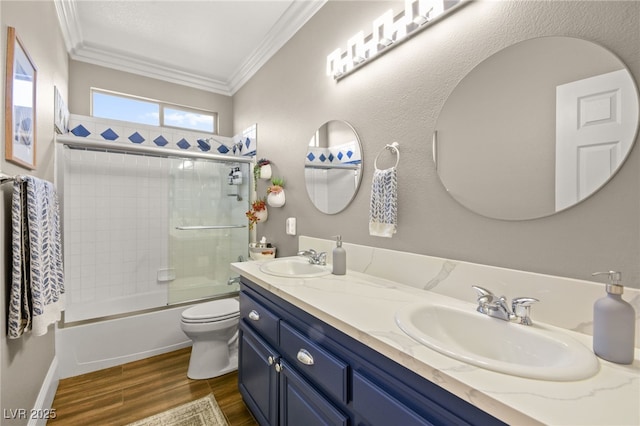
{"x":254,"y":316}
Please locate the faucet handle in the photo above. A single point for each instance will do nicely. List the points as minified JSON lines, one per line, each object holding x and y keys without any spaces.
{"x":308,"y":252}
{"x":484,"y":295}
{"x":521,"y":307}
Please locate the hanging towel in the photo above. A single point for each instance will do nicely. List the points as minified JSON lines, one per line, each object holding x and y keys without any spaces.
{"x":383,"y":213}
{"x":37,"y":286}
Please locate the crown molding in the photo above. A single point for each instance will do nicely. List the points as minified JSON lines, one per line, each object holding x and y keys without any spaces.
{"x":67,"y":17}
{"x":287,"y":26}
{"x":291,"y":21}
{"x":105,"y":57}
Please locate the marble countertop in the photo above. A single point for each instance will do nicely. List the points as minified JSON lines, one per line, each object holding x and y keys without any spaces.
{"x":363,"y":307}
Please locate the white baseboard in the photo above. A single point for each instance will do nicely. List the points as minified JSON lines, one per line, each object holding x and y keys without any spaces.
{"x":42,"y":410}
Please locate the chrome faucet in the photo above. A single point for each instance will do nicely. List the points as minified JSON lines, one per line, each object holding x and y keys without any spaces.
{"x":497,"y":307}
{"x":233,"y":280}
{"x":315,"y":258}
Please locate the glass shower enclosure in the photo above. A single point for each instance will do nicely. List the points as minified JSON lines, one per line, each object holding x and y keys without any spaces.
{"x":207,"y":227}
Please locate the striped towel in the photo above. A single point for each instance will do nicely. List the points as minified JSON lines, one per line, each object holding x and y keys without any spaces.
{"x":36,"y":296}
{"x":383,"y":213}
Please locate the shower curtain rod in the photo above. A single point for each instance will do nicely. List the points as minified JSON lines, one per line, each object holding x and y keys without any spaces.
{"x":137,"y":149}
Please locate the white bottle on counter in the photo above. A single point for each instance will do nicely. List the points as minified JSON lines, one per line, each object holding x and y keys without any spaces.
{"x":614,"y":323}
{"x":339,"y":257}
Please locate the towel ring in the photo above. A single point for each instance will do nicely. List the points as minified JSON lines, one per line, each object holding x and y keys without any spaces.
{"x":393,"y":147}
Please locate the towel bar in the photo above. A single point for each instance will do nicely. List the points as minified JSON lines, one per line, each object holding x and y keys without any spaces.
{"x":6,"y":178}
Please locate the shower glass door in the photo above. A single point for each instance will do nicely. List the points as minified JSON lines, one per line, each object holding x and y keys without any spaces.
{"x":207,"y":227}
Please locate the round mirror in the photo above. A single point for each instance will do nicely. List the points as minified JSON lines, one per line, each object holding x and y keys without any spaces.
{"x":536,"y":128}
{"x":332,"y":166}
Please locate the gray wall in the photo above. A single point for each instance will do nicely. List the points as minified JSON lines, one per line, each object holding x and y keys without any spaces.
{"x":24,"y":362}
{"x":398,"y":97}
{"x":84,"y":76}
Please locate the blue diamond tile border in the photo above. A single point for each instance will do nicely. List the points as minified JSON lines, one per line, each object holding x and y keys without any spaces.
{"x":136,"y":138}
{"x":109,"y":135}
{"x":160,"y":141}
{"x":81,"y":131}
{"x":183,"y":144}
{"x":240,"y":145}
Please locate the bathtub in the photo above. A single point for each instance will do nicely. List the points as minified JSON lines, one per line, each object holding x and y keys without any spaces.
{"x":106,"y":343}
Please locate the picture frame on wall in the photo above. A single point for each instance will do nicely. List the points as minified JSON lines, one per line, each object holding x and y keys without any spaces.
{"x":20,"y":104}
{"x":61,"y":113}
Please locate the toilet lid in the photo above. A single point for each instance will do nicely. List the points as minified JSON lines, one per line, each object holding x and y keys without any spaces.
{"x":216,"y":310}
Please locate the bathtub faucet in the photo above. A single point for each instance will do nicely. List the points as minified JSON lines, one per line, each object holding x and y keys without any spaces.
{"x":233,"y":280}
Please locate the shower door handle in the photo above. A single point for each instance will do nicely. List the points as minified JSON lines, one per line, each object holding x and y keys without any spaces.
{"x":192,"y":228}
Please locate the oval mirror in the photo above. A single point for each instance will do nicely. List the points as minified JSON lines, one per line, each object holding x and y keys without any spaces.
{"x":332,"y":166}
{"x":536,"y":128}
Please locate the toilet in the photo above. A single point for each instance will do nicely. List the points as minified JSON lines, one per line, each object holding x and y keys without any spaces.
{"x":213,"y":327}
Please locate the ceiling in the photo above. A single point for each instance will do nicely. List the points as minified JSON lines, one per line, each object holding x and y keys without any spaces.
{"x":211,"y":45}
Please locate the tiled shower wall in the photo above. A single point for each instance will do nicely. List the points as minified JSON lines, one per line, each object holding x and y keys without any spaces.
{"x":115,"y":232}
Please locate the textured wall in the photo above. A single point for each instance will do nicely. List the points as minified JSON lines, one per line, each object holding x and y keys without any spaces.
{"x":398,"y":97}
{"x":24,"y":362}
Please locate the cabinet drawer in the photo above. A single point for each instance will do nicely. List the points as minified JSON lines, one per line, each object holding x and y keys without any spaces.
{"x":259,"y":318}
{"x":380,"y":408}
{"x":300,"y":404}
{"x":314,"y":362}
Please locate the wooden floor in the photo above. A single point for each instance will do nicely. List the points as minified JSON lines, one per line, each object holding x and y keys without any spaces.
{"x":133,"y":391}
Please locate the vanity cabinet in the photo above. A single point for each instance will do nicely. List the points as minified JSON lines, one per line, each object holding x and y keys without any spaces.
{"x":295,"y":369}
{"x":268,"y":382}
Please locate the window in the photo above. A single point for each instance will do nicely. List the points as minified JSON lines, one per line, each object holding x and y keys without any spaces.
{"x":188,"y":119}
{"x":123,"y":107}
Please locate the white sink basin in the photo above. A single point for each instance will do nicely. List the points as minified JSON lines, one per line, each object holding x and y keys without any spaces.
{"x":535,"y":352}
{"x":294,"y":267}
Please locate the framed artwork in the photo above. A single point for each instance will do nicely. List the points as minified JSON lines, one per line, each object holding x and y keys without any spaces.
{"x":61,"y":117}
{"x":20,"y":104}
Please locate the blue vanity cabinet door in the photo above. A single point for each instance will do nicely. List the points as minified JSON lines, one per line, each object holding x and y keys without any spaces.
{"x":300,"y":404}
{"x":257,"y":377}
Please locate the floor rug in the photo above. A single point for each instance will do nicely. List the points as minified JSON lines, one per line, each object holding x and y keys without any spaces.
{"x":202,"y":412}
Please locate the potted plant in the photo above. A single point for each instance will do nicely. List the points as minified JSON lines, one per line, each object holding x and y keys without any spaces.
{"x":275,"y":193}
{"x":262,"y":170}
{"x":257,"y":213}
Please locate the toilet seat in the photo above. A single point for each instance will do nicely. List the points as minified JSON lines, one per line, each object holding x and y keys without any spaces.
{"x":214,"y":311}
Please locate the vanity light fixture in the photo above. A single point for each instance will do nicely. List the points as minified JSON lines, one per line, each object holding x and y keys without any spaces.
{"x":387,"y":31}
